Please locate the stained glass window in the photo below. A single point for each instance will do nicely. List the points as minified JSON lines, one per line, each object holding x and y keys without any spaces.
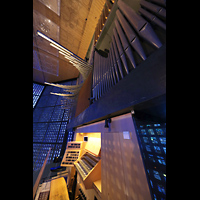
{"x":37,"y":90}
{"x":152,"y":141}
{"x":49,"y":126}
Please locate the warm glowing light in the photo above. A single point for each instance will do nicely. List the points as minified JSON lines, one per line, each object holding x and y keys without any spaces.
{"x":83,"y":67}
{"x":62,"y":53}
{"x":60,"y":48}
{"x":43,"y":36}
{"x":52,"y":43}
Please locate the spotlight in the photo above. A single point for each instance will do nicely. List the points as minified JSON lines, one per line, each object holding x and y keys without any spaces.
{"x":107,"y":122}
{"x":132,"y":112}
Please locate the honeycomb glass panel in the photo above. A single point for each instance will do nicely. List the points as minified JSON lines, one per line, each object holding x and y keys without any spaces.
{"x":37,"y":90}
{"x":49,"y":125}
{"x":152,"y":141}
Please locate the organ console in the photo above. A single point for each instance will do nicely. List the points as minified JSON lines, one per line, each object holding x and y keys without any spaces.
{"x":72,"y":153}
{"x":89,"y":168}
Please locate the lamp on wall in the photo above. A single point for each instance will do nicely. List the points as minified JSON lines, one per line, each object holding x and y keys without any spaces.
{"x":132,"y":112}
{"x":107,"y":123}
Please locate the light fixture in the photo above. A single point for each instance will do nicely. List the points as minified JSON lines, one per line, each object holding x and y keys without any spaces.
{"x":69,"y":100}
{"x":132,"y":112}
{"x":52,"y":42}
{"x":61,"y":49}
{"x":107,"y":122}
{"x":83,"y":67}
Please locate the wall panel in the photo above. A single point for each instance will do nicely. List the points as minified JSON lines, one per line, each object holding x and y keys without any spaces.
{"x":122,"y":170}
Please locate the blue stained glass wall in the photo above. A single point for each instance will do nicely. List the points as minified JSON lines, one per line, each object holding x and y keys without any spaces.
{"x":37,"y":90}
{"x":152,"y":141}
{"x":49,"y":125}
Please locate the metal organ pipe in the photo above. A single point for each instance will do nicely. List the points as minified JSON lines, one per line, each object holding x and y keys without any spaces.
{"x":131,"y":35}
{"x":117,"y":56}
{"x":160,"y":2}
{"x":121,"y":52}
{"x":95,"y":75}
{"x":105,"y":77}
{"x":142,"y":27}
{"x":129,"y":28}
{"x":122,"y":37}
{"x":94,"y":72}
{"x":114,"y":62}
{"x":102,"y":79}
{"x":154,"y":8}
{"x":106,"y":74}
{"x":110,"y":72}
{"x":153,"y":18}
{"x":119,"y":47}
{"x":104,"y":69}
{"x":112,"y":67}
{"x":125,"y":45}
{"x":100,"y":75}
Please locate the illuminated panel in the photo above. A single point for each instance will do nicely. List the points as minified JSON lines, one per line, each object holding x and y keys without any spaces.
{"x":72,"y":153}
{"x":53,"y":5}
{"x":37,"y":90}
{"x":47,"y":27}
{"x":49,"y":125}
{"x":152,"y":140}
{"x":45,"y":58}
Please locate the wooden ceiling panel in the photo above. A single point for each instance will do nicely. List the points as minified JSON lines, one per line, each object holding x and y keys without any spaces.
{"x":73,"y":27}
{"x":92,"y":19}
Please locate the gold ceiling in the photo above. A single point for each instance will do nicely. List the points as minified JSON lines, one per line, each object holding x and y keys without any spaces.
{"x":69,"y":22}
